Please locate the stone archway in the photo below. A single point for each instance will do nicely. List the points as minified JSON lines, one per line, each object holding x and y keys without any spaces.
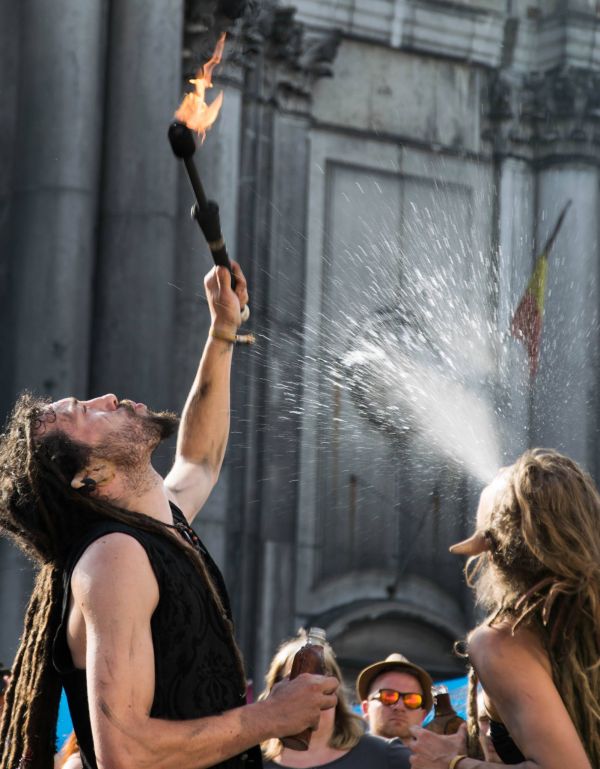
{"x":370,"y":633}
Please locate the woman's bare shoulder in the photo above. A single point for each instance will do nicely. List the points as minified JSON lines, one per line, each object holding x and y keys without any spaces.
{"x":496,"y":646}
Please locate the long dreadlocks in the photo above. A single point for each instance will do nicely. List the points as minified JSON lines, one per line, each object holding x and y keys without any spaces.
{"x":45,"y":517}
{"x":544,"y":572}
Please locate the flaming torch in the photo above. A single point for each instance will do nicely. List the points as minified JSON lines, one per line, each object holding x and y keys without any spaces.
{"x":195,"y":114}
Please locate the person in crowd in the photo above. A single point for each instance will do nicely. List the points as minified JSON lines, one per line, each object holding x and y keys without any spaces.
{"x":395,"y":694}
{"x":535,"y":565}
{"x":340,"y":739}
{"x":128,"y":606}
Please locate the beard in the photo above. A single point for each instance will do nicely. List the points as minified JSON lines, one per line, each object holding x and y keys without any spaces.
{"x":131,"y":445}
{"x":156,"y":425}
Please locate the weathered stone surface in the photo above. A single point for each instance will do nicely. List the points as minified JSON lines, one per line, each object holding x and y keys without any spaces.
{"x":373,"y":91}
{"x":133,"y":339}
{"x":566,"y":398}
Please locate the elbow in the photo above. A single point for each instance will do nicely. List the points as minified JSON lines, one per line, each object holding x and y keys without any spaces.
{"x":128,"y":757}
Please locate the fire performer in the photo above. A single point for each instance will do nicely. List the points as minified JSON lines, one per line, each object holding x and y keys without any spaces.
{"x":535,"y":563}
{"x":129,"y":612}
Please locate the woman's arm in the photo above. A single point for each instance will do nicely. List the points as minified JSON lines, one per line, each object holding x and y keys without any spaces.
{"x":515,"y":673}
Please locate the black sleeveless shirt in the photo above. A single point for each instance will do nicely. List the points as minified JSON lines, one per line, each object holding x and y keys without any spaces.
{"x":196,"y":669}
{"x":504,"y":744}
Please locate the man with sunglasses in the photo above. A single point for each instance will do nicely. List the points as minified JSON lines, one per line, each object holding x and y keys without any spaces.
{"x":395,"y":694}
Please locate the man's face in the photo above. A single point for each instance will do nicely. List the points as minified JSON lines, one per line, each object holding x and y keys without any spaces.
{"x":393,"y":720}
{"x":122,"y":431}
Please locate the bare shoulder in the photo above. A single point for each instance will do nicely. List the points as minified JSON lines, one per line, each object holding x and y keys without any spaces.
{"x":114,"y":568}
{"x":498,"y":641}
{"x":502,"y":657}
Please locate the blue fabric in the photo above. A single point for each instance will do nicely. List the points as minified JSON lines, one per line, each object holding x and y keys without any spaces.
{"x":64,"y":725}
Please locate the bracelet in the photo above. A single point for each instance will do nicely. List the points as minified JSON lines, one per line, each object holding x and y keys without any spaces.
{"x":456,"y":761}
{"x":231,"y":338}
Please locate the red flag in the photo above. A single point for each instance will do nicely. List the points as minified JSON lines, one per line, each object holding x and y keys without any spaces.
{"x":527,"y":321}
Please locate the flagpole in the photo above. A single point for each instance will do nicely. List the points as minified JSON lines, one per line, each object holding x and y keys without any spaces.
{"x":527,"y":320}
{"x":552,"y":237}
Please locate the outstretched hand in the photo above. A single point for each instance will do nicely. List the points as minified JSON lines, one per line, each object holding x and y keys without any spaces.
{"x":435,"y":751}
{"x":225,"y":304}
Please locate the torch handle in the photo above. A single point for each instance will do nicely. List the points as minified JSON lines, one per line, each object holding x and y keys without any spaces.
{"x":210,"y":223}
{"x":192,"y":172}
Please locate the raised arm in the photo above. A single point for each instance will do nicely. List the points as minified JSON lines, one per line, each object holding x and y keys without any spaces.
{"x":204,"y":428}
{"x":115,"y":589}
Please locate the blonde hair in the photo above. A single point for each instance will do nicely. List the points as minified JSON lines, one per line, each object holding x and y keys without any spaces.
{"x":543,"y":571}
{"x":348,"y":727}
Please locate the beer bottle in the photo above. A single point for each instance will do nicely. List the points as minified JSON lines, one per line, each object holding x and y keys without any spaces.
{"x":308,"y":659}
{"x":445,"y":719}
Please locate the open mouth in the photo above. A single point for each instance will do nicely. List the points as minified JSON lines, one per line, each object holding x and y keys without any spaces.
{"x":128,"y":405}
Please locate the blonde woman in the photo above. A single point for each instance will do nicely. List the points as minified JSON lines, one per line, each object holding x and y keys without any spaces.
{"x":339,"y":741}
{"x":535,"y":565}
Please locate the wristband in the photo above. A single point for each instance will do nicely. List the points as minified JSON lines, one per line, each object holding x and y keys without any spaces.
{"x":456,"y":761}
{"x":231,"y":338}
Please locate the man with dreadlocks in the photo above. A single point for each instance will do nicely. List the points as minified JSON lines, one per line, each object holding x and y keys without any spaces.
{"x":129,"y":613}
{"x":535,"y":564}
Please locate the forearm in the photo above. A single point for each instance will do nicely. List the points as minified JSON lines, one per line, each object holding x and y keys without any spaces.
{"x":204,"y":425}
{"x":194,"y":744}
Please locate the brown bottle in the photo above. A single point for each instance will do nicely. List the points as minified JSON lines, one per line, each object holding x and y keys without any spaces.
{"x":445,"y":719}
{"x":308,"y":659}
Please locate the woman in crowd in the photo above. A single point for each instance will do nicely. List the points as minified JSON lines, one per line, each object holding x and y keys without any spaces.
{"x":535,"y":565}
{"x":340,"y":740}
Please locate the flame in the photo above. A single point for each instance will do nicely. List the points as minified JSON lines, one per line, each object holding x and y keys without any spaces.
{"x":193,"y":110}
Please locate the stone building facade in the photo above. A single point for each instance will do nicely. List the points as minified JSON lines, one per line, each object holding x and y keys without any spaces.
{"x":340,"y":121}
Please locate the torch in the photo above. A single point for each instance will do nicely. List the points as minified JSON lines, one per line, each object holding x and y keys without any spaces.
{"x":195,"y":114}
{"x":204,"y":211}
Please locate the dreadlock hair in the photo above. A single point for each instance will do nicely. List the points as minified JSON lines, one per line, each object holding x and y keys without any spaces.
{"x":45,"y":517}
{"x":543,"y":571}
{"x":348,"y":728}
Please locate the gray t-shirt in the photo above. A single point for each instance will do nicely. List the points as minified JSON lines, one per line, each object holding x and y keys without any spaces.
{"x":370,"y":753}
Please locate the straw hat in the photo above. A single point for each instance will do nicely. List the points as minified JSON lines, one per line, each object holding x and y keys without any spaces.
{"x":395,"y":662}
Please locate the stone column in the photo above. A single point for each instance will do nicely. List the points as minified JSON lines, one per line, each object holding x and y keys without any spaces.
{"x":545,"y":133}
{"x":133,"y":324}
{"x":9,"y":65}
{"x":52,"y":62}
{"x":566,"y":404}
{"x":54,"y":201}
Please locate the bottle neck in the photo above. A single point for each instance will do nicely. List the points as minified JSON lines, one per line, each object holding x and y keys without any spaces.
{"x":443,"y":706}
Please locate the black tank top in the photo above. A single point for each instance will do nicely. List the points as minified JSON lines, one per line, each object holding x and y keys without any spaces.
{"x":196,"y":668}
{"x":504,"y":744}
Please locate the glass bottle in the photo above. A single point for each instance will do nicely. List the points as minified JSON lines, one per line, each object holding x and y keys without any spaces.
{"x":445,"y":719}
{"x":308,"y":659}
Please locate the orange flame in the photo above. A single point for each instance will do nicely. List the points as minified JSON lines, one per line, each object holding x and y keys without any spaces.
{"x":193,"y":110}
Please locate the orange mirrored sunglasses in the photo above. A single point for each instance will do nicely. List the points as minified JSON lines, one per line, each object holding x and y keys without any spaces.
{"x":411,"y":700}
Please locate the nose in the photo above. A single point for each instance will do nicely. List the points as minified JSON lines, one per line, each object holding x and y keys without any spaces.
{"x":108,"y":402}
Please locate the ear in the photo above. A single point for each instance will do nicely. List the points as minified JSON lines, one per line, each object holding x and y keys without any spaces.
{"x":364,"y":705}
{"x":98,"y":473}
{"x":476,"y":544}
